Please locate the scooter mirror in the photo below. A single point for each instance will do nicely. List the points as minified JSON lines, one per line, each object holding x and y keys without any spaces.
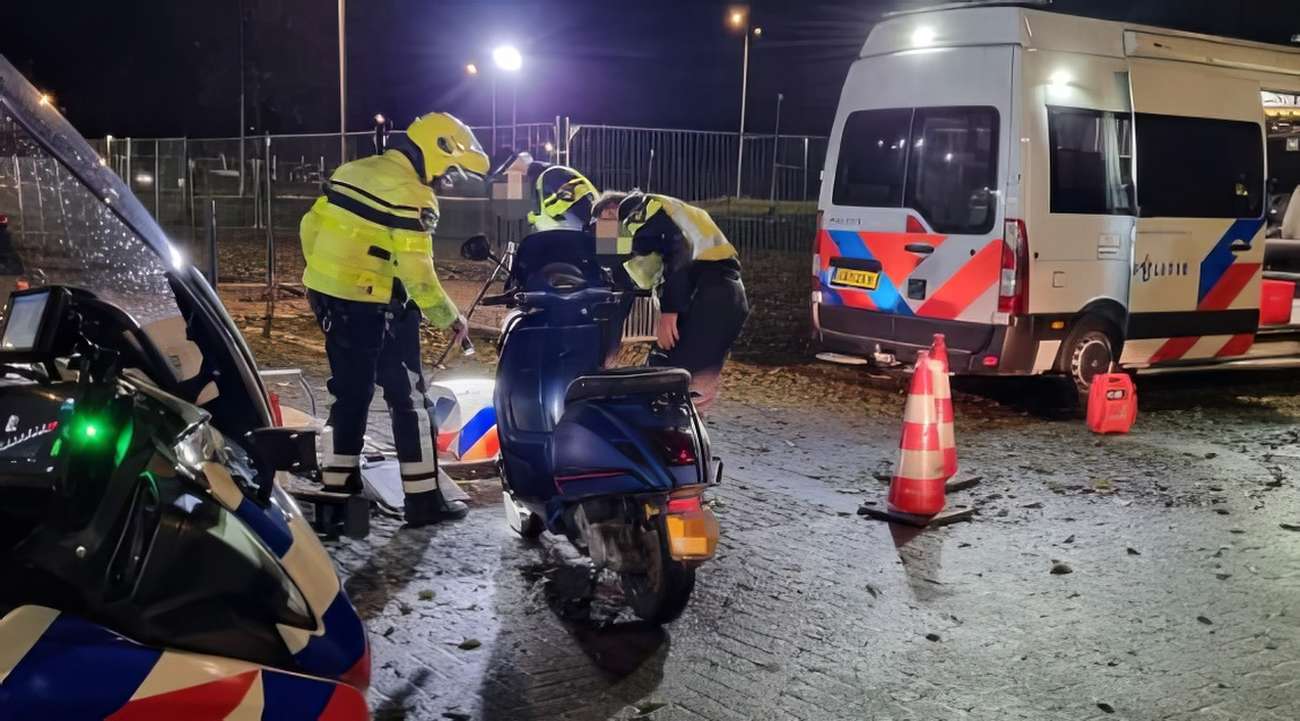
{"x":476,"y":248}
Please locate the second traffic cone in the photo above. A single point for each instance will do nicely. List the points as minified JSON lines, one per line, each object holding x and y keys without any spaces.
{"x":943,"y":404}
{"x":918,"y":484}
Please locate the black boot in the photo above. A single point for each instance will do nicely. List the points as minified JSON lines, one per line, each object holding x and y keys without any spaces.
{"x":352,"y":485}
{"x":428,"y":508}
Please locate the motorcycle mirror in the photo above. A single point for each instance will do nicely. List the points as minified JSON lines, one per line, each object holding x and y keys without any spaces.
{"x":282,"y":449}
{"x":476,"y":248}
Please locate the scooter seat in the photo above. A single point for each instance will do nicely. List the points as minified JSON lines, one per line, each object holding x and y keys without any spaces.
{"x":628,"y":382}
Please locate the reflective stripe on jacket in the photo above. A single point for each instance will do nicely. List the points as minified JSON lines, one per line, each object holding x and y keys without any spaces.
{"x":373,"y":225}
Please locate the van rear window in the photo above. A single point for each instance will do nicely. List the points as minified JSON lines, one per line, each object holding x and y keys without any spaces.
{"x":1199,"y":167}
{"x":873,"y":156}
{"x":940,"y":162}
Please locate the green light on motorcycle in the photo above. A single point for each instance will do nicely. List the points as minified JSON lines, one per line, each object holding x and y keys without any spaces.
{"x":88,"y":431}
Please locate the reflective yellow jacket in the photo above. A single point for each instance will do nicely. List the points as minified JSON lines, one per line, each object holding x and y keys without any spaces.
{"x":373,"y":225}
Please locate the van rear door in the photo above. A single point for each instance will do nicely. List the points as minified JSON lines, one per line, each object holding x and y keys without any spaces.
{"x":1198,"y":248}
{"x":912,"y":205}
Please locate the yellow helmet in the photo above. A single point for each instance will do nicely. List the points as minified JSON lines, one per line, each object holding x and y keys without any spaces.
{"x":564,"y":197}
{"x":445,"y":143}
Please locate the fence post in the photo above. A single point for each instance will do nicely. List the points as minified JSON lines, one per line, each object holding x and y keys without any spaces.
{"x":127,"y":176}
{"x":157,"y":185}
{"x":805,"y":167}
{"x":776,"y":150}
{"x":271,"y":280}
{"x":212,"y":242}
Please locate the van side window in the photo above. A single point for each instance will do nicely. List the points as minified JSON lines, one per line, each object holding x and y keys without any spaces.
{"x":873,"y":157}
{"x":1092,"y":161}
{"x":953,"y":168}
{"x":1199,"y":167}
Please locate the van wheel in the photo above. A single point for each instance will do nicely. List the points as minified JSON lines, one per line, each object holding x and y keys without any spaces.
{"x":1088,"y":351}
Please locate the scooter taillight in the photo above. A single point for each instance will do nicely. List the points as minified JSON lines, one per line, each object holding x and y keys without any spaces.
{"x":684,"y":505}
{"x":677,"y":447}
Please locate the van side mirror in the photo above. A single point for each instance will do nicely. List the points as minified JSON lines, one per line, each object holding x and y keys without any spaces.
{"x":476,"y":248}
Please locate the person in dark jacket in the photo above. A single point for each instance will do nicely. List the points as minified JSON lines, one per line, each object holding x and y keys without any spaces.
{"x":678,"y":250}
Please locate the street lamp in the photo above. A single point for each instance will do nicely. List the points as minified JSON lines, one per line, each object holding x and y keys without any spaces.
{"x":738,"y":18}
{"x":471,"y":69}
{"x":507,"y":58}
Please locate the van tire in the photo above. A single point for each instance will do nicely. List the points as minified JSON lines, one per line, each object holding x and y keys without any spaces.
{"x":1089,"y":350}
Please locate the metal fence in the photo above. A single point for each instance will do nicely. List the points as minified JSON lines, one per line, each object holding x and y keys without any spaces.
{"x":697,"y":165}
{"x":171,"y":175}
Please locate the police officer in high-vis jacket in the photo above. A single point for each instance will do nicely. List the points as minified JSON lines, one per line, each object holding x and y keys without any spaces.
{"x":370,"y":279}
{"x":678,"y":249}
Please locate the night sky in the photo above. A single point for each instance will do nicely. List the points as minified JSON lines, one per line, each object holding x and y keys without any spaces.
{"x":169,"y":68}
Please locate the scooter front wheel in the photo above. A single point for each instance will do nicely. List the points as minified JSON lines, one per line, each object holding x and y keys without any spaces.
{"x":521,"y":520}
{"x":660,"y":594}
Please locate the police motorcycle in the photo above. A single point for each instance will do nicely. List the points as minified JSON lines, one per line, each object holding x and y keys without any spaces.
{"x":615,"y":460}
{"x":153,"y":566}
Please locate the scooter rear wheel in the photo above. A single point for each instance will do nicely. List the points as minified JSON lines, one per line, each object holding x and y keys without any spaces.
{"x":661,"y":593}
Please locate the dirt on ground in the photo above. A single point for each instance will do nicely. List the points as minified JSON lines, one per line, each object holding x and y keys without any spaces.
{"x":1147,"y":576}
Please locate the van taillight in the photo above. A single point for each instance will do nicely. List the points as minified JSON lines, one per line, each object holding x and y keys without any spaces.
{"x":1013,"y":287}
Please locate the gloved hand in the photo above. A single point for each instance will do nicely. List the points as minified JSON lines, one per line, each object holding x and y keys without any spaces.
{"x":460,"y":334}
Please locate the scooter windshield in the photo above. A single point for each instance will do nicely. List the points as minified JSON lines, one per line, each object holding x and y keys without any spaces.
{"x":70,"y":220}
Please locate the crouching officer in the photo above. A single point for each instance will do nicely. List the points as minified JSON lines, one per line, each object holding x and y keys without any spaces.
{"x":370,"y":277}
{"x":678,"y":249}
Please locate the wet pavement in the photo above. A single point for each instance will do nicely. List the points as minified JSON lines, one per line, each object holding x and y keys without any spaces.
{"x":1176,"y":591}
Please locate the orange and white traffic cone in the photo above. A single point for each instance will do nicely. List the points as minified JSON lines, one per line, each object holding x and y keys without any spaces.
{"x":943,"y":404}
{"x":918,"y":484}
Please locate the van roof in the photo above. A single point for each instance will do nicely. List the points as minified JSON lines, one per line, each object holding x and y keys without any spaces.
{"x":1045,"y":30}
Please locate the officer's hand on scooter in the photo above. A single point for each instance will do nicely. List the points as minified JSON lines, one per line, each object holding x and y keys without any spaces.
{"x":666,"y":334}
{"x":460,"y":335}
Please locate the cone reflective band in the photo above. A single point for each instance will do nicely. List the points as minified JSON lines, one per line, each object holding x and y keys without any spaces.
{"x":943,"y":405}
{"x":918,"y":484}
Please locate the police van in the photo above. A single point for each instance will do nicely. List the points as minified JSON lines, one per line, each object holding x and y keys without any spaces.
{"x":1055,"y":194}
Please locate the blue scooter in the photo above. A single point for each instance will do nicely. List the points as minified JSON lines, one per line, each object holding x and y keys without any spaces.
{"x":616,"y":460}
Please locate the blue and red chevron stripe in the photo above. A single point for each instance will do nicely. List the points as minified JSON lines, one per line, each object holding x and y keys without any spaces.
{"x":946,"y":302}
{"x":1222,"y":280}
{"x":1222,"y":277}
{"x":75,"y":670}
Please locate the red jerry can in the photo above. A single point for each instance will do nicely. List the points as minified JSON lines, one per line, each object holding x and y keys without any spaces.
{"x":1112,"y":403}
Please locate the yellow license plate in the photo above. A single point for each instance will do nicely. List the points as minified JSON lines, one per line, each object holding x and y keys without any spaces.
{"x":864,"y":279}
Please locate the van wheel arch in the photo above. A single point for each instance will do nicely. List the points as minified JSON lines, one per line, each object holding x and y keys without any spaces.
{"x":1095,"y":338}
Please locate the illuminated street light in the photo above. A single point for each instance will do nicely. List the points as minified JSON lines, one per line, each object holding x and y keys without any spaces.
{"x":738,"y":18}
{"x":379,"y":118}
{"x":471,"y":69}
{"x":46,"y":99}
{"x":508,"y":58}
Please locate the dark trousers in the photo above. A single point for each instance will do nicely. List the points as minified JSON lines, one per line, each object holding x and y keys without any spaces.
{"x":369,"y":344}
{"x":706,"y":331}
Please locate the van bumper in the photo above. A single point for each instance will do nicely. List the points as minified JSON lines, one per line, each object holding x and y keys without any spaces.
{"x":972,"y":347}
